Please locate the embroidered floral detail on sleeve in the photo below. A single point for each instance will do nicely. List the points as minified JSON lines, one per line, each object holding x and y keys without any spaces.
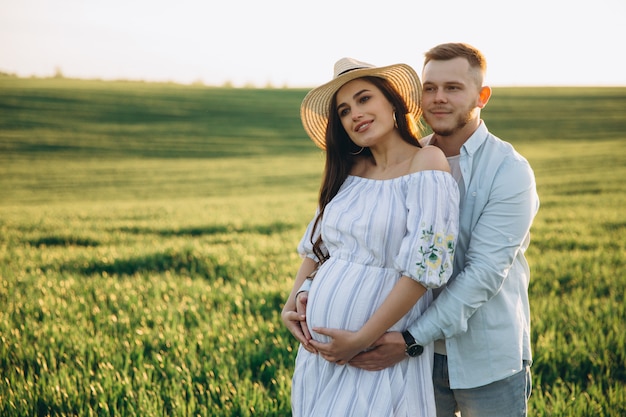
{"x":433,"y":253}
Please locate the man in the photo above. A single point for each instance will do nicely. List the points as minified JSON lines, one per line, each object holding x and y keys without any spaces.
{"x":480,"y":322}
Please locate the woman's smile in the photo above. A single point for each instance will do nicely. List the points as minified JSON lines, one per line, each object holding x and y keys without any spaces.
{"x":362,"y":126}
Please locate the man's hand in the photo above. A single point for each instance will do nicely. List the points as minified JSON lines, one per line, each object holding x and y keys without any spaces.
{"x":388,"y":350}
{"x":296,"y":321}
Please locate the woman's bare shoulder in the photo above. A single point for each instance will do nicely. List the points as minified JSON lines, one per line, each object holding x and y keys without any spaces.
{"x":430,"y":158}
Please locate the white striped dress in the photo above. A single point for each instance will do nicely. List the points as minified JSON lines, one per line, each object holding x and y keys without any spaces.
{"x":376,"y":231}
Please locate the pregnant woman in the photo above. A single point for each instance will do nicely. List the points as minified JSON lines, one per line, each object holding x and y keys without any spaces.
{"x":382,"y":237}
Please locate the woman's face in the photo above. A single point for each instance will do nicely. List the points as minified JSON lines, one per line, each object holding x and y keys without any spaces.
{"x":364,"y":112}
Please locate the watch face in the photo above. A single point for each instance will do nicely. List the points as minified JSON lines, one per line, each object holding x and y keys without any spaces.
{"x":415,"y":350}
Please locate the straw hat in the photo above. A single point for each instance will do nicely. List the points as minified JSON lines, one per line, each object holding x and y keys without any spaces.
{"x":315,"y":106}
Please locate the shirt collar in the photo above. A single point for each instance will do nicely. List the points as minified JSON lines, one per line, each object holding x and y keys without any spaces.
{"x":474,"y":142}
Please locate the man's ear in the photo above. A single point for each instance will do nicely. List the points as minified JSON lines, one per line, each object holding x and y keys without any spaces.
{"x":483,"y":96}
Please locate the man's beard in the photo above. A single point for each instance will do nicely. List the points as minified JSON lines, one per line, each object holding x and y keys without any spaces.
{"x":461,"y":122}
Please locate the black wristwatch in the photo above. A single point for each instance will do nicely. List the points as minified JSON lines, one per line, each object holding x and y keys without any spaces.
{"x":412,"y":348}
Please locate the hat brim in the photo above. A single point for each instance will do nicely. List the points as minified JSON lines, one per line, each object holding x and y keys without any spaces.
{"x":314,"y":111}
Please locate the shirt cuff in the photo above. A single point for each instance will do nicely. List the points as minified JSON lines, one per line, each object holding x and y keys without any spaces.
{"x":424,"y":332}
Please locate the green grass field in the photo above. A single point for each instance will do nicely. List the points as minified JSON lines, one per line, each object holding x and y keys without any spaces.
{"x":148,"y":233}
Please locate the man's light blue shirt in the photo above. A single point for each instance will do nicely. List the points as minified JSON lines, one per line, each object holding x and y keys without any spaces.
{"x":483,"y":313}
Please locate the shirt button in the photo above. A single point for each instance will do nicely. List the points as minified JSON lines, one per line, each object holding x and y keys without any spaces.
{"x":474,"y":194}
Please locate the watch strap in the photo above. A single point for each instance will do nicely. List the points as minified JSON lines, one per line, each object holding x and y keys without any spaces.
{"x":408,"y":338}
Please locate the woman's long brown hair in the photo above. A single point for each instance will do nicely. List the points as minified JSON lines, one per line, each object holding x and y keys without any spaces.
{"x":340,"y":150}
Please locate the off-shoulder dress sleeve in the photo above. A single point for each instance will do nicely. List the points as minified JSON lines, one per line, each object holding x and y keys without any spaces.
{"x":305,"y":247}
{"x":427,"y":251}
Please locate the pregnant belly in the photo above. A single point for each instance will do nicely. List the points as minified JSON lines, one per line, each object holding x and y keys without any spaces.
{"x":344,"y":296}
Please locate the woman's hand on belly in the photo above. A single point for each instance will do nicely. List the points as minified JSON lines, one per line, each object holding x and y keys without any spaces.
{"x":343,"y":345}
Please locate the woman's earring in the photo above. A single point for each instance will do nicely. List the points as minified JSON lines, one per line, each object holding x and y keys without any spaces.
{"x":356,"y":153}
{"x":395,"y":122}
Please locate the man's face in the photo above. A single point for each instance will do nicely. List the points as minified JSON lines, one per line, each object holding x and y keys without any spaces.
{"x":451,"y":96}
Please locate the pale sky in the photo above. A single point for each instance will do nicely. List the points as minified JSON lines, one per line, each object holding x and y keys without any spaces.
{"x":295,"y":43}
